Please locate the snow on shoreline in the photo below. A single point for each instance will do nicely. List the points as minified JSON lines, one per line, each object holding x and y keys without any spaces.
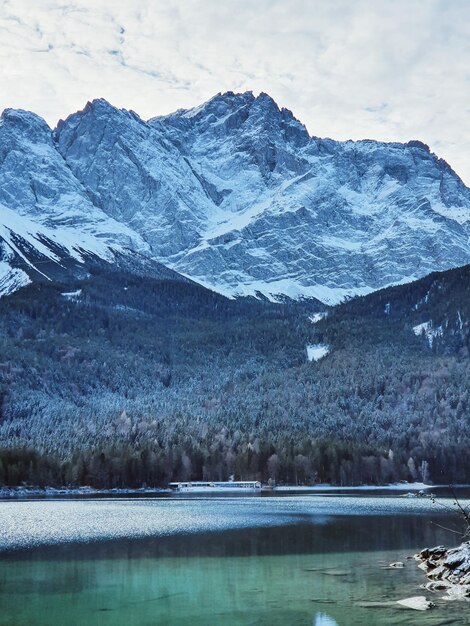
{"x":85,"y":492}
{"x":53,"y":492}
{"x":392,"y":487}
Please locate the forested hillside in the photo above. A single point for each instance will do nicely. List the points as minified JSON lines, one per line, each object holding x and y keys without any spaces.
{"x":121,"y":380}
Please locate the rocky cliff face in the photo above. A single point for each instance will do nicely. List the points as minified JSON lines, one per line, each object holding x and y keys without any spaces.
{"x":238,"y":196}
{"x":311,"y":216}
{"x":47,"y":218}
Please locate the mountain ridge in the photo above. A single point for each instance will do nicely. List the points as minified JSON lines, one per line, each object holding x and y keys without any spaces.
{"x":234,"y":194}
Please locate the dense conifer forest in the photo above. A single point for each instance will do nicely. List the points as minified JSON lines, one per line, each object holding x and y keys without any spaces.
{"x":119,"y":380}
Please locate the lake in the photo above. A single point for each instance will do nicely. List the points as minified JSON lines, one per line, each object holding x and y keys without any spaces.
{"x":291,"y":560}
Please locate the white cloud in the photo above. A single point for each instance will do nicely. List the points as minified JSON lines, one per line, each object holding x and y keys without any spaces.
{"x":391,"y":70}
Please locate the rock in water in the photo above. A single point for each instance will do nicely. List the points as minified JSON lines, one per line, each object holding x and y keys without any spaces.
{"x":448,"y":569}
{"x":418,"y":603}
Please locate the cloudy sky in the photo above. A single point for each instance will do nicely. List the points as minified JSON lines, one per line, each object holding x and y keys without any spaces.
{"x":349,"y":69}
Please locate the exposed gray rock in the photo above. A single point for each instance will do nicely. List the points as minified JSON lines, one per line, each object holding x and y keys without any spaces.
{"x":234,"y":193}
{"x":47,"y":219}
{"x":447,"y":569}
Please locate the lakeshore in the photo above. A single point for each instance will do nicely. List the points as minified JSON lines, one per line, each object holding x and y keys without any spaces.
{"x":26,"y":492}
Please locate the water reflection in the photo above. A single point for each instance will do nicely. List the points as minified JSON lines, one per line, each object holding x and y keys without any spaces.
{"x":320,"y":535}
{"x":324,"y":620}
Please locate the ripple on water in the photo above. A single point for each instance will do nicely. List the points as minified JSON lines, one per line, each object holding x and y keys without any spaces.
{"x":29,"y":524}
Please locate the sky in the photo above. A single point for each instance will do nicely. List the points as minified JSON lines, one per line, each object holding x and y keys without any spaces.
{"x":391,"y":70}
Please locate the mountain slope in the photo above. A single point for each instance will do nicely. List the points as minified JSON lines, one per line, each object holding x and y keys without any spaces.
{"x":234,"y":194}
{"x":433,"y":312}
{"x":345,"y":216}
{"x":49,"y":227}
{"x":237,"y":195}
{"x":128,"y":379}
{"x":134,"y":175}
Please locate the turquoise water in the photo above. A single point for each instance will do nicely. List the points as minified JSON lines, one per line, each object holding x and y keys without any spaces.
{"x":303,"y":561}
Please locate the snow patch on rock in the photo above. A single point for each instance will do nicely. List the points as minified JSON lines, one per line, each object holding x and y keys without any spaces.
{"x":317,"y":351}
{"x":72,"y":295}
{"x":427,"y":329}
{"x":11,"y":279}
{"x":317,"y":317}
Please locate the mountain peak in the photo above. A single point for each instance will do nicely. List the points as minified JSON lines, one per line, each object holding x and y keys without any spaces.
{"x":231,"y":113}
{"x":267,"y":99}
{"x":97,"y":109}
{"x":234,"y":95}
{"x":100,"y":104}
{"x":26,"y":122}
{"x":415,"y":143}
{"x":219,"y":105}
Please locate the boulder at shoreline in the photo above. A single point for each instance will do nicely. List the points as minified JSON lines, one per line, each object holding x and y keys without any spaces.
{"x":447,"y":569}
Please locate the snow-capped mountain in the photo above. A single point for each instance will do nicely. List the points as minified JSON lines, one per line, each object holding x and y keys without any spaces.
{"x":309,"y":216}
{"x":48,"y":224}
{"x":234,"y":194}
